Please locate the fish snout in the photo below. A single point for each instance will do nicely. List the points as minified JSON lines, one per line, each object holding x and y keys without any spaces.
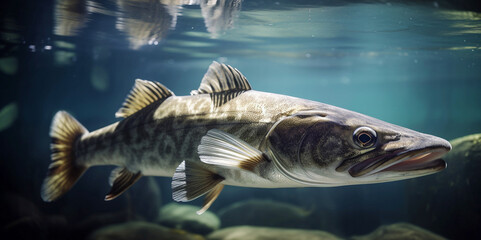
{"x":412,"y":153}
{"x":426,"y":141}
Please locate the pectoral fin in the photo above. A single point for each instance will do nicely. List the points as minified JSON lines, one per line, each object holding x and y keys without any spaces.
{"x":192,"y":180}
{"x":225,"y":150}
{"x":120,"y":180}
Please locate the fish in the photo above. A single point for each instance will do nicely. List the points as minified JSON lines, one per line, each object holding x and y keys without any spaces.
{"x":225,"y":133}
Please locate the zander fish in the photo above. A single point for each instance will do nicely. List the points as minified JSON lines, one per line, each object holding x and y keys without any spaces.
{"x":224,"y":133}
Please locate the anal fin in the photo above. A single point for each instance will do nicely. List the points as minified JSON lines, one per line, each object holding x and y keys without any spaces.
{"x":192,"y":180}
{"x":121,"y":179}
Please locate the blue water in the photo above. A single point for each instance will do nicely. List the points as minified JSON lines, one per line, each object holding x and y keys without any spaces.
{"x":412,"y":64}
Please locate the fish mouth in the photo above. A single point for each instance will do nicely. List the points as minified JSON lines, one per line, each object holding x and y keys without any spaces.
{"x":415,"y":162}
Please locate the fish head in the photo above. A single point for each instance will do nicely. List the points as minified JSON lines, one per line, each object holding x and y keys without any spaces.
{"x":335,"y":147}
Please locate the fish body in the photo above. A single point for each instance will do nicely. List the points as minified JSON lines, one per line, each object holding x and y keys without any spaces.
{"x":225,"y":133}
{"x":156,"y":140}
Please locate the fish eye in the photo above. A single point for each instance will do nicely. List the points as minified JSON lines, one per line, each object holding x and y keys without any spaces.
{"x":364,"y":137}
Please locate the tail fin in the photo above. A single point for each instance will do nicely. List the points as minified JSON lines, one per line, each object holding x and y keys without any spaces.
{"x":63,"y":172}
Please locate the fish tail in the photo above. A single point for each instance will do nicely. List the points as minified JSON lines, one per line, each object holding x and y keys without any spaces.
{"x":64,"y":171}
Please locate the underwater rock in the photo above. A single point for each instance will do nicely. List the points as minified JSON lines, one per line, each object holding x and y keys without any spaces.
{"x":8,"y":115}
{"x":21,"y":219}
{"x":14,"y":207}
{"x":182,"y":216}
{"x":141,"y":230}
{"x":267,"y":233}
{"x":95,"y":222}
{"x":145,"y":198}
{"x":263,"y":213}
{"x":36,"y":227}
{"x":448,"y":202}
{"x":467,"y":148}
{"x":399,"y":231}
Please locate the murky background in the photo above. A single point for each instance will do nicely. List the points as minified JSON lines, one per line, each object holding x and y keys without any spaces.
{"x":416,"y":64}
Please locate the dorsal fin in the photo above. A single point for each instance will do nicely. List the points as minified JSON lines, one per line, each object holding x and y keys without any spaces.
{"x":143,"y":94}
{"x":223,"y":83}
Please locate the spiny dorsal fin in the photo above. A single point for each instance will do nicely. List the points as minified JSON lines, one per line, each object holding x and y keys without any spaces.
{"x":192,"y":180}
{"x":143,"y":94}
{"x":222,"y":149}
{"x":121,"y":179}
{"x":223,"y":83}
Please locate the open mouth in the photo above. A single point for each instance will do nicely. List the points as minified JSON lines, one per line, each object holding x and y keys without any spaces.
{"x":422,"y":160}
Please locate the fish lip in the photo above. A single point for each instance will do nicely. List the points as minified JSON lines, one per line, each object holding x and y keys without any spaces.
{"x":427,"y":159}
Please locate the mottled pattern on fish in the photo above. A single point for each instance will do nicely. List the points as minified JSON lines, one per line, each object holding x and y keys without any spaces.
{"x":156,"y":139}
